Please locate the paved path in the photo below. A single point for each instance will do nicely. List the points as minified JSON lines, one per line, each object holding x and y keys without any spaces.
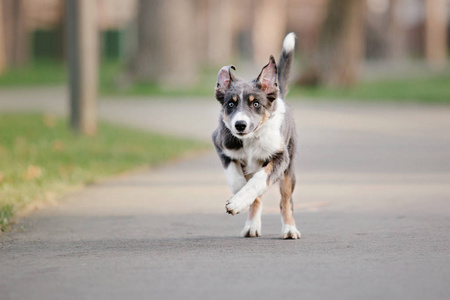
{"x":372,"y":203}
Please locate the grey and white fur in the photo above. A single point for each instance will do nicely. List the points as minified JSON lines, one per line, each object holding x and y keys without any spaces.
{"x":256,"y":140}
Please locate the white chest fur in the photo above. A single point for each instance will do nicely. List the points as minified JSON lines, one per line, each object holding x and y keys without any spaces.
{"x":263,"y":143}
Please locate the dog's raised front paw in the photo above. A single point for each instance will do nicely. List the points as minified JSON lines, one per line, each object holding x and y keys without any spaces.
{"x":235,"y":205}
{"x":251,"y":229}
{"x":290,"y":232}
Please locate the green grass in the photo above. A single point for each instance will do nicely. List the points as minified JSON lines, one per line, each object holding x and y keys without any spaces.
{"x":432,"y":89}
{"x":40,"y":157}
{"x":52,"y":73}
{"x":151,"y":89}
{"x":39,"y":73}
{"x":110,"y":70}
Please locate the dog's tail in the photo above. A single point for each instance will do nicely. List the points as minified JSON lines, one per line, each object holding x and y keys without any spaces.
{"x":285,"y":63}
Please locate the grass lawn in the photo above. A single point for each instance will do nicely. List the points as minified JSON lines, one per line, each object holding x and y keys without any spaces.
{"x":109,"y":72}
{"x":41,"y":158}
{"x":432,"y":89}
{"x":36,"y":74}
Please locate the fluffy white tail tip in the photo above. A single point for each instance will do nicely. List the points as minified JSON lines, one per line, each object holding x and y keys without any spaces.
{"x":289,"y":42}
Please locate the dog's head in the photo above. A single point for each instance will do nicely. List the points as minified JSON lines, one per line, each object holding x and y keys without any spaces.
{"x":247,"y":104}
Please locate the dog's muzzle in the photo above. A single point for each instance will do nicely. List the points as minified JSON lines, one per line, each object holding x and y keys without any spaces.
{"x":240,"y":126}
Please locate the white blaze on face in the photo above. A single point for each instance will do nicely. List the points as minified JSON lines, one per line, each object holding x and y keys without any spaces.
{"x":240,"y":116}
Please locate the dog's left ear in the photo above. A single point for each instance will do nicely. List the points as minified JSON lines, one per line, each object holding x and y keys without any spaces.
{"x":268,"y":78}
{"x":224,"y":78}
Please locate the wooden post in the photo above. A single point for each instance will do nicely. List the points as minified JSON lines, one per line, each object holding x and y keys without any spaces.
{"x":83,"y":64}
{"x":436,"y":33}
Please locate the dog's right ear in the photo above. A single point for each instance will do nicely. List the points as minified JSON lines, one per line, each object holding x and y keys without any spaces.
{"x":224,"y":79}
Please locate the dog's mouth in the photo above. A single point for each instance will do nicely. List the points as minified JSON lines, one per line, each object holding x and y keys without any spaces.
{"x":248,"y":134}
{"x":243,"y":135}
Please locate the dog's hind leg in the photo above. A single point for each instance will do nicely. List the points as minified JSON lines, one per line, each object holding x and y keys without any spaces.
{"x":288,"y":230}
{"x":252,"y":226}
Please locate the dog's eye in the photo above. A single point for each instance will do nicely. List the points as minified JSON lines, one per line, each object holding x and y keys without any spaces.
{"x":255,"y":104}
{"x":231,"y":104}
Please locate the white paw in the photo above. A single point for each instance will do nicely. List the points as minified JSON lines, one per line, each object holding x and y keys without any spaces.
{"x":290,"y":232}
{"x":252,"y":229}
{"x":236,"y":205}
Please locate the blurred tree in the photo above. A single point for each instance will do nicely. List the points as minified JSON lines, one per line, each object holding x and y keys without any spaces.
{"x":436,"y":32}
{"x":201,"y":28}
{"x":339,"y":51}
{"x":2,"y":43}
{"x":269,"y":28}
{"x":15,"y":33}
{"x":396,"y":33}
{"x":219,"y":32}
{"x":166,"y":45}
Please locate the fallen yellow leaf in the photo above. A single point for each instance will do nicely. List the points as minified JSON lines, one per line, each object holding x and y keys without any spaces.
{"x":32,"y":172}
{"x":50,"y":121}
{"x":66,"y":170}
{"x":58,"y":145}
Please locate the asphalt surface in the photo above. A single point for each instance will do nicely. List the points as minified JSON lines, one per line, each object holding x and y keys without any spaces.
{"x":372,"y":203}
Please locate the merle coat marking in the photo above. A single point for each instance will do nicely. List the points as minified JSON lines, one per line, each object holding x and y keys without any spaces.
{"x":256,"y":140}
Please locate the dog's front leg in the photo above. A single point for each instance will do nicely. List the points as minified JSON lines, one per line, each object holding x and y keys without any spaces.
{"x":235,"y":177}
{"x":271,"y":172}
{"x":253,"y":189}
{"x":252,"y":227}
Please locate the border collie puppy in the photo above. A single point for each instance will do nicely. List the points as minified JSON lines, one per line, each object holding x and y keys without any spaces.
{"x":256,"y":140}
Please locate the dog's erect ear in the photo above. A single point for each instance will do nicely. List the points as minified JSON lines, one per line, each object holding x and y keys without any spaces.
{"x":224,"y":78}
{"x":268,"y":78}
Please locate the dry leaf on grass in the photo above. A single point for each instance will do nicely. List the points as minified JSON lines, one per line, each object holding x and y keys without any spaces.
{"x":50,"y":121}
{"x":32,"y":172}
{"x":58,"y":146}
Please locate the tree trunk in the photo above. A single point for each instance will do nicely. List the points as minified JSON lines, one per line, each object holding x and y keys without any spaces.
{"x":269,"y":29}
{"x":219,"y":32}
{"x":396,"y":34}
{"x":3,"y":63}
{"x":340,"y":49}
{"x":15,"y":33}
{"x":436,"y":33}
{"x":166,"y":43}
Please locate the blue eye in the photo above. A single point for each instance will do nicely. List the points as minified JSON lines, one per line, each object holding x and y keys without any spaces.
{"x":231,"y":104}
{"x":255,"y":104}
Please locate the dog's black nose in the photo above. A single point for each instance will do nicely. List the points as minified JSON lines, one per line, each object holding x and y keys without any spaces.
{"x":240,"y":126}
